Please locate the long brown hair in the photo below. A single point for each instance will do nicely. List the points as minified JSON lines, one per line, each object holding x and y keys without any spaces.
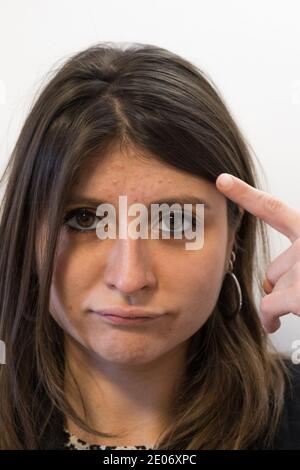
{"x":150,"y":98}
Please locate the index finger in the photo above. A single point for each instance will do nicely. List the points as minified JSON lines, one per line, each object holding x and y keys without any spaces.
{"x":270,"y":209}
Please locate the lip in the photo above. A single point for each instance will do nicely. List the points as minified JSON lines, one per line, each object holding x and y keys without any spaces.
{"x":127,"y":316}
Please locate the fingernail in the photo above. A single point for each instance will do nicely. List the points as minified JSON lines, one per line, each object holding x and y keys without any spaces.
{"x":267,"y":286}
{"x":225,"y":180}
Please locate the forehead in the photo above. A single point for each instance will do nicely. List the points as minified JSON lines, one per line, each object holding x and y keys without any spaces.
{"x":133,"y":171}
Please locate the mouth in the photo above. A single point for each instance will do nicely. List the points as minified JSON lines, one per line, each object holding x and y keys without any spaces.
{"x":126,"y":321}
{"x":128,"y":313}
{"x":127,"y":316}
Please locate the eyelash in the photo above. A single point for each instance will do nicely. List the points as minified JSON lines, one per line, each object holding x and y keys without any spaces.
{"x":72,"y":213}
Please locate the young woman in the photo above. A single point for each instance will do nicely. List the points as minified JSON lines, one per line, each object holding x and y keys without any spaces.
{"x":200,"y":374}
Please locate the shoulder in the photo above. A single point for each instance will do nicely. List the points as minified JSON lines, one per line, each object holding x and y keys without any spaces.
{"x":54,"y":436}
{"x":288,"y":434}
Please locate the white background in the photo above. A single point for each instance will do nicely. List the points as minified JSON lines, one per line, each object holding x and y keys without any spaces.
{"x":251,"y":50}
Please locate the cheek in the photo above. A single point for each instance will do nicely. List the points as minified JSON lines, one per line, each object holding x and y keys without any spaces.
{"x":72,"y":275}
{"x":197,"y":285}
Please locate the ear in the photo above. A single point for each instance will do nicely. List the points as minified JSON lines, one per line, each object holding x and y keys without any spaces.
{"x":230,"y":247}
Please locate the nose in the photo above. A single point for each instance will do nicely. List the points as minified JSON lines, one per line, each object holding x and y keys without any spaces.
{"x":128,"y":268}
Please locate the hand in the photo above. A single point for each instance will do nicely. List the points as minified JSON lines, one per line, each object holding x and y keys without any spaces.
{"x":282,"y":280}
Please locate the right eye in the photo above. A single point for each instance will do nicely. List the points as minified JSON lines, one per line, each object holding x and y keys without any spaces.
{"x":80,"y":220}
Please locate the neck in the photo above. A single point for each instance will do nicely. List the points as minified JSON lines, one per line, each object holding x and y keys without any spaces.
{"x":132,"y":399}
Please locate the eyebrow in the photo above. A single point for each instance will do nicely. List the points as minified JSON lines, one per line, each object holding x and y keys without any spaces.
{"x":180,"y":199}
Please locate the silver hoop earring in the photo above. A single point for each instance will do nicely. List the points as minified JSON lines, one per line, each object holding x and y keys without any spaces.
{"x":236,"y":284}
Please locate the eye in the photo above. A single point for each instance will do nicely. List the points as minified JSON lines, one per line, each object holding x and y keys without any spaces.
{"x":80,"y":220}
{"x":179,"y":222}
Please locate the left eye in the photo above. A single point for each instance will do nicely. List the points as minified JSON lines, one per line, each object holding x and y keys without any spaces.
{"x":81,"y":220}
{"x":177,"y":223}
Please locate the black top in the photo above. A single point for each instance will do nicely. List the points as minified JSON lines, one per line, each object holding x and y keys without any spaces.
{"x":287,"y":436}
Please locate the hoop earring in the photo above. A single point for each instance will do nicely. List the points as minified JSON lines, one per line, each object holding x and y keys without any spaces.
{"x":236,"y":284}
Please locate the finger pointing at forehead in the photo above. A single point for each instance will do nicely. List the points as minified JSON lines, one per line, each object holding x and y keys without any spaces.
{"x":270,"y":209}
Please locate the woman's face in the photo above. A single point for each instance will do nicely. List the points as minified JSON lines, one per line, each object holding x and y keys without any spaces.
{"x":160,"y":275}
